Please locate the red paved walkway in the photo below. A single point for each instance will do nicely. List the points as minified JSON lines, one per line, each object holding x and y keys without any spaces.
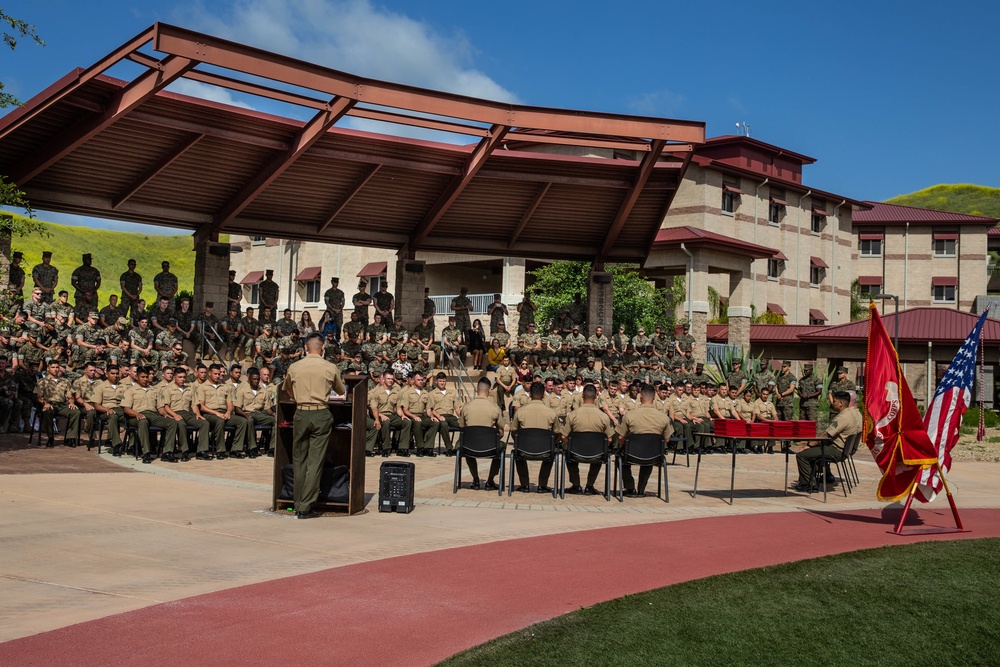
{"x":419,"y":609}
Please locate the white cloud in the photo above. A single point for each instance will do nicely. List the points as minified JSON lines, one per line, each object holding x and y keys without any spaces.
{"x":656,"y":103}
{"x":355,"y":36}
{"x":207,"y":92}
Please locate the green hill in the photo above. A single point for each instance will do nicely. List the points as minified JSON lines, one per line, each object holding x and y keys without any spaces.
{"x":111,"y":251}
{"x":960,"y":198}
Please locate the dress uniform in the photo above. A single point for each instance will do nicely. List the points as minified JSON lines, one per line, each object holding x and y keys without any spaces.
{"x":309,"y":382}
{"x":215,"y":400}
{"x":481,"y":411}
{"x":413,"y":400}
{"x":256,"y":402}
{"x":384,"y":402}
{"x":179,"y":399}
{"x":140,"y":404}
{"x":847,"y":422}
{"x":645,"y":419}
{"x":586,"y":418}
{"x":535,"y":414}
{"x":442,"y":404}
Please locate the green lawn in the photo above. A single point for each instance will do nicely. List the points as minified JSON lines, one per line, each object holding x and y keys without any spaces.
{"x":922,"y":604}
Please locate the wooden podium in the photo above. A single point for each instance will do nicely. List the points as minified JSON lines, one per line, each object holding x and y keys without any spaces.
{"x":347,"y":446}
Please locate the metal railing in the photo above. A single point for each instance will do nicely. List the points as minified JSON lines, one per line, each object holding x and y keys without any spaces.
{"x":716,"y":353}
{"x":993,"y":269}
{"x":463,"y":381}
{"x":480,"y":302}
{"x":224,"y":358}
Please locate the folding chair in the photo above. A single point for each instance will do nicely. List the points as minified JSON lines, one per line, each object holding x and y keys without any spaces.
{"x":479,"y":442}
{"x":643,"y":449}
{"x":533,"y":444}
{"x":587,"y":448}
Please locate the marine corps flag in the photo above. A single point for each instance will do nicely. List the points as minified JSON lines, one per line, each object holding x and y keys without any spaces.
{"x":894,"y":431}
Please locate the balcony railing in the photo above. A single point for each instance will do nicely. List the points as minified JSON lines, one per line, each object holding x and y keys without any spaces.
{"x":480,"y":302}
{"x":993,"y":270}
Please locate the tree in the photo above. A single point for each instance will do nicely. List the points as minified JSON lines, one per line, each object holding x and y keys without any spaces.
{"x":636,"y":301}
{"x":14,"y":30}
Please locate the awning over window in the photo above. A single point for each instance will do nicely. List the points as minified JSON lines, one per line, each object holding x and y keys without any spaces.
{"x":776,"y":309}
{"x":946,"y":237}
{"x":818,"y":261}
{"x":779,"y":202}
{"x":252,"y":278}
{"x":870,"y":280}
{"x":817,"y":315}
{"x":309,"y":274}
{"x":820,"y":211}
{"x":373,"y":269}
{"x":731,"y":189}
{"x":944,"y":281}
{"x":780,"y":255}
{"x":871,"y":237}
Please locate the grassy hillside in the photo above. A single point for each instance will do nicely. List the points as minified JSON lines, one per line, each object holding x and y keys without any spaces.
{"x":111,"y":250}
{"x":960,"y":198}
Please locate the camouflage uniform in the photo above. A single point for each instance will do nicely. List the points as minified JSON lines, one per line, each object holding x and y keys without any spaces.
{"x":807,"y":386}
{"x":786,"y":404}
{"x":47,"y":277}
{"x":496,"y":312}
{"x":268,"y":290}
{"x":131,"y":281}
{"x":735,"y":379}
{"x":15,"y":281}
{"x":58,"y":393}
{"x":464,"y":306}
{"x":87,"y":279}
{"x":165,"y":283}
{"x":140,"y":340}
{"x":527,"y":316}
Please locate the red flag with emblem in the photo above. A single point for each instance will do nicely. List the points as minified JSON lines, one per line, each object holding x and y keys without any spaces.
{"x":894,"y":430}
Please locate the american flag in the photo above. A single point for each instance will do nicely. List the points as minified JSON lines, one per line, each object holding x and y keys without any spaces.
{"x":943,"y":420}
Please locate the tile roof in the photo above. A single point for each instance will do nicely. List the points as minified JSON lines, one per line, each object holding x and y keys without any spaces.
{"x":881,"y":213}
{"x":672,"y":237}
{"x":938,"y":325}
{"x":765,"y":333}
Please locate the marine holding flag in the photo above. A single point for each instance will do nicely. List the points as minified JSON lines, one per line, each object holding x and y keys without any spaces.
{"x":943,"y":419}
{"x":893,"y":429}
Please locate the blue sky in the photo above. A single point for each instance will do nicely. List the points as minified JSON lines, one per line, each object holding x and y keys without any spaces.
{"x":889,"y":97}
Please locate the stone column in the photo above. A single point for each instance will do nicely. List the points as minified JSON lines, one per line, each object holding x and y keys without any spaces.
{"x":409,"y":291}
{"x":211,"y":276}
{"x":699,"y":329}
{"x":513,"y":289}
{"x":600,"y":292}
{"x":739,"y":327}
{"x":739,"y":314}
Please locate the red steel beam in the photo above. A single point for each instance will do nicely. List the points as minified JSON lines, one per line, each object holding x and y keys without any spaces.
{"x":242,"y":58}
{"x":645,"y":170}
{"x":155,"y":170}
{"x":130,"y":97}
{"x":306,"y":137}
{"x":666,"y":207}
{"x":427,"y":123}
{"x":528,"y":137}
{"x":73,"y":83}
{"x":542,"y":191}
{"x":472,"y":166}
{"x":362,"y":182}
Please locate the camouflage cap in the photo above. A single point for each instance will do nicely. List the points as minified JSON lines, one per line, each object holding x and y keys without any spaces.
{"x":809,"y":366}
{"x":93,"y":314}
{"x":841,"y":369}
{"x":786,"y":363}
{"x":122,"y":321}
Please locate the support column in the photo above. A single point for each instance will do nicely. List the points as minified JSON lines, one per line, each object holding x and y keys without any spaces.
{"x":738,"y":314}
{"x":513,"y":289}
{"x":600,"y":294}
{"x":211,"y":276}
{"x":409,"y":291}
{"x":5,"y":261}
{"x":699,"y":329}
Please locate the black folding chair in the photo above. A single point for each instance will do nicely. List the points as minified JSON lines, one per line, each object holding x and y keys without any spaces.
{"x":479,"y":442}
{"x":836,"y":458}
{"x":676,"y":441}
{"x":643,"y":449}
{"x":587,"y":448}
{"x":533,"y":444}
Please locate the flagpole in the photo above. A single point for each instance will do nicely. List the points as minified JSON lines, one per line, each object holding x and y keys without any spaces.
{"x":909,"y":501}
{"x":951,"y":500}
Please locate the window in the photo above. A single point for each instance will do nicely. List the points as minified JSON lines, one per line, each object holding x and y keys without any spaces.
{"x":871,"y":247}
{"x":776,"y":209}
{"x":312,"y":291}
{"x":944,"y":293}
{"x":816,"y":274}
{"x":870,"y":292}
{"x":945,"y":245}
{"x":258,"y":240}
{"x":254,"y":294}
{"x":730,"y":197}
{"x":774,"y":268}
{"x":818,"y":223}
{"x":375,"y":283}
